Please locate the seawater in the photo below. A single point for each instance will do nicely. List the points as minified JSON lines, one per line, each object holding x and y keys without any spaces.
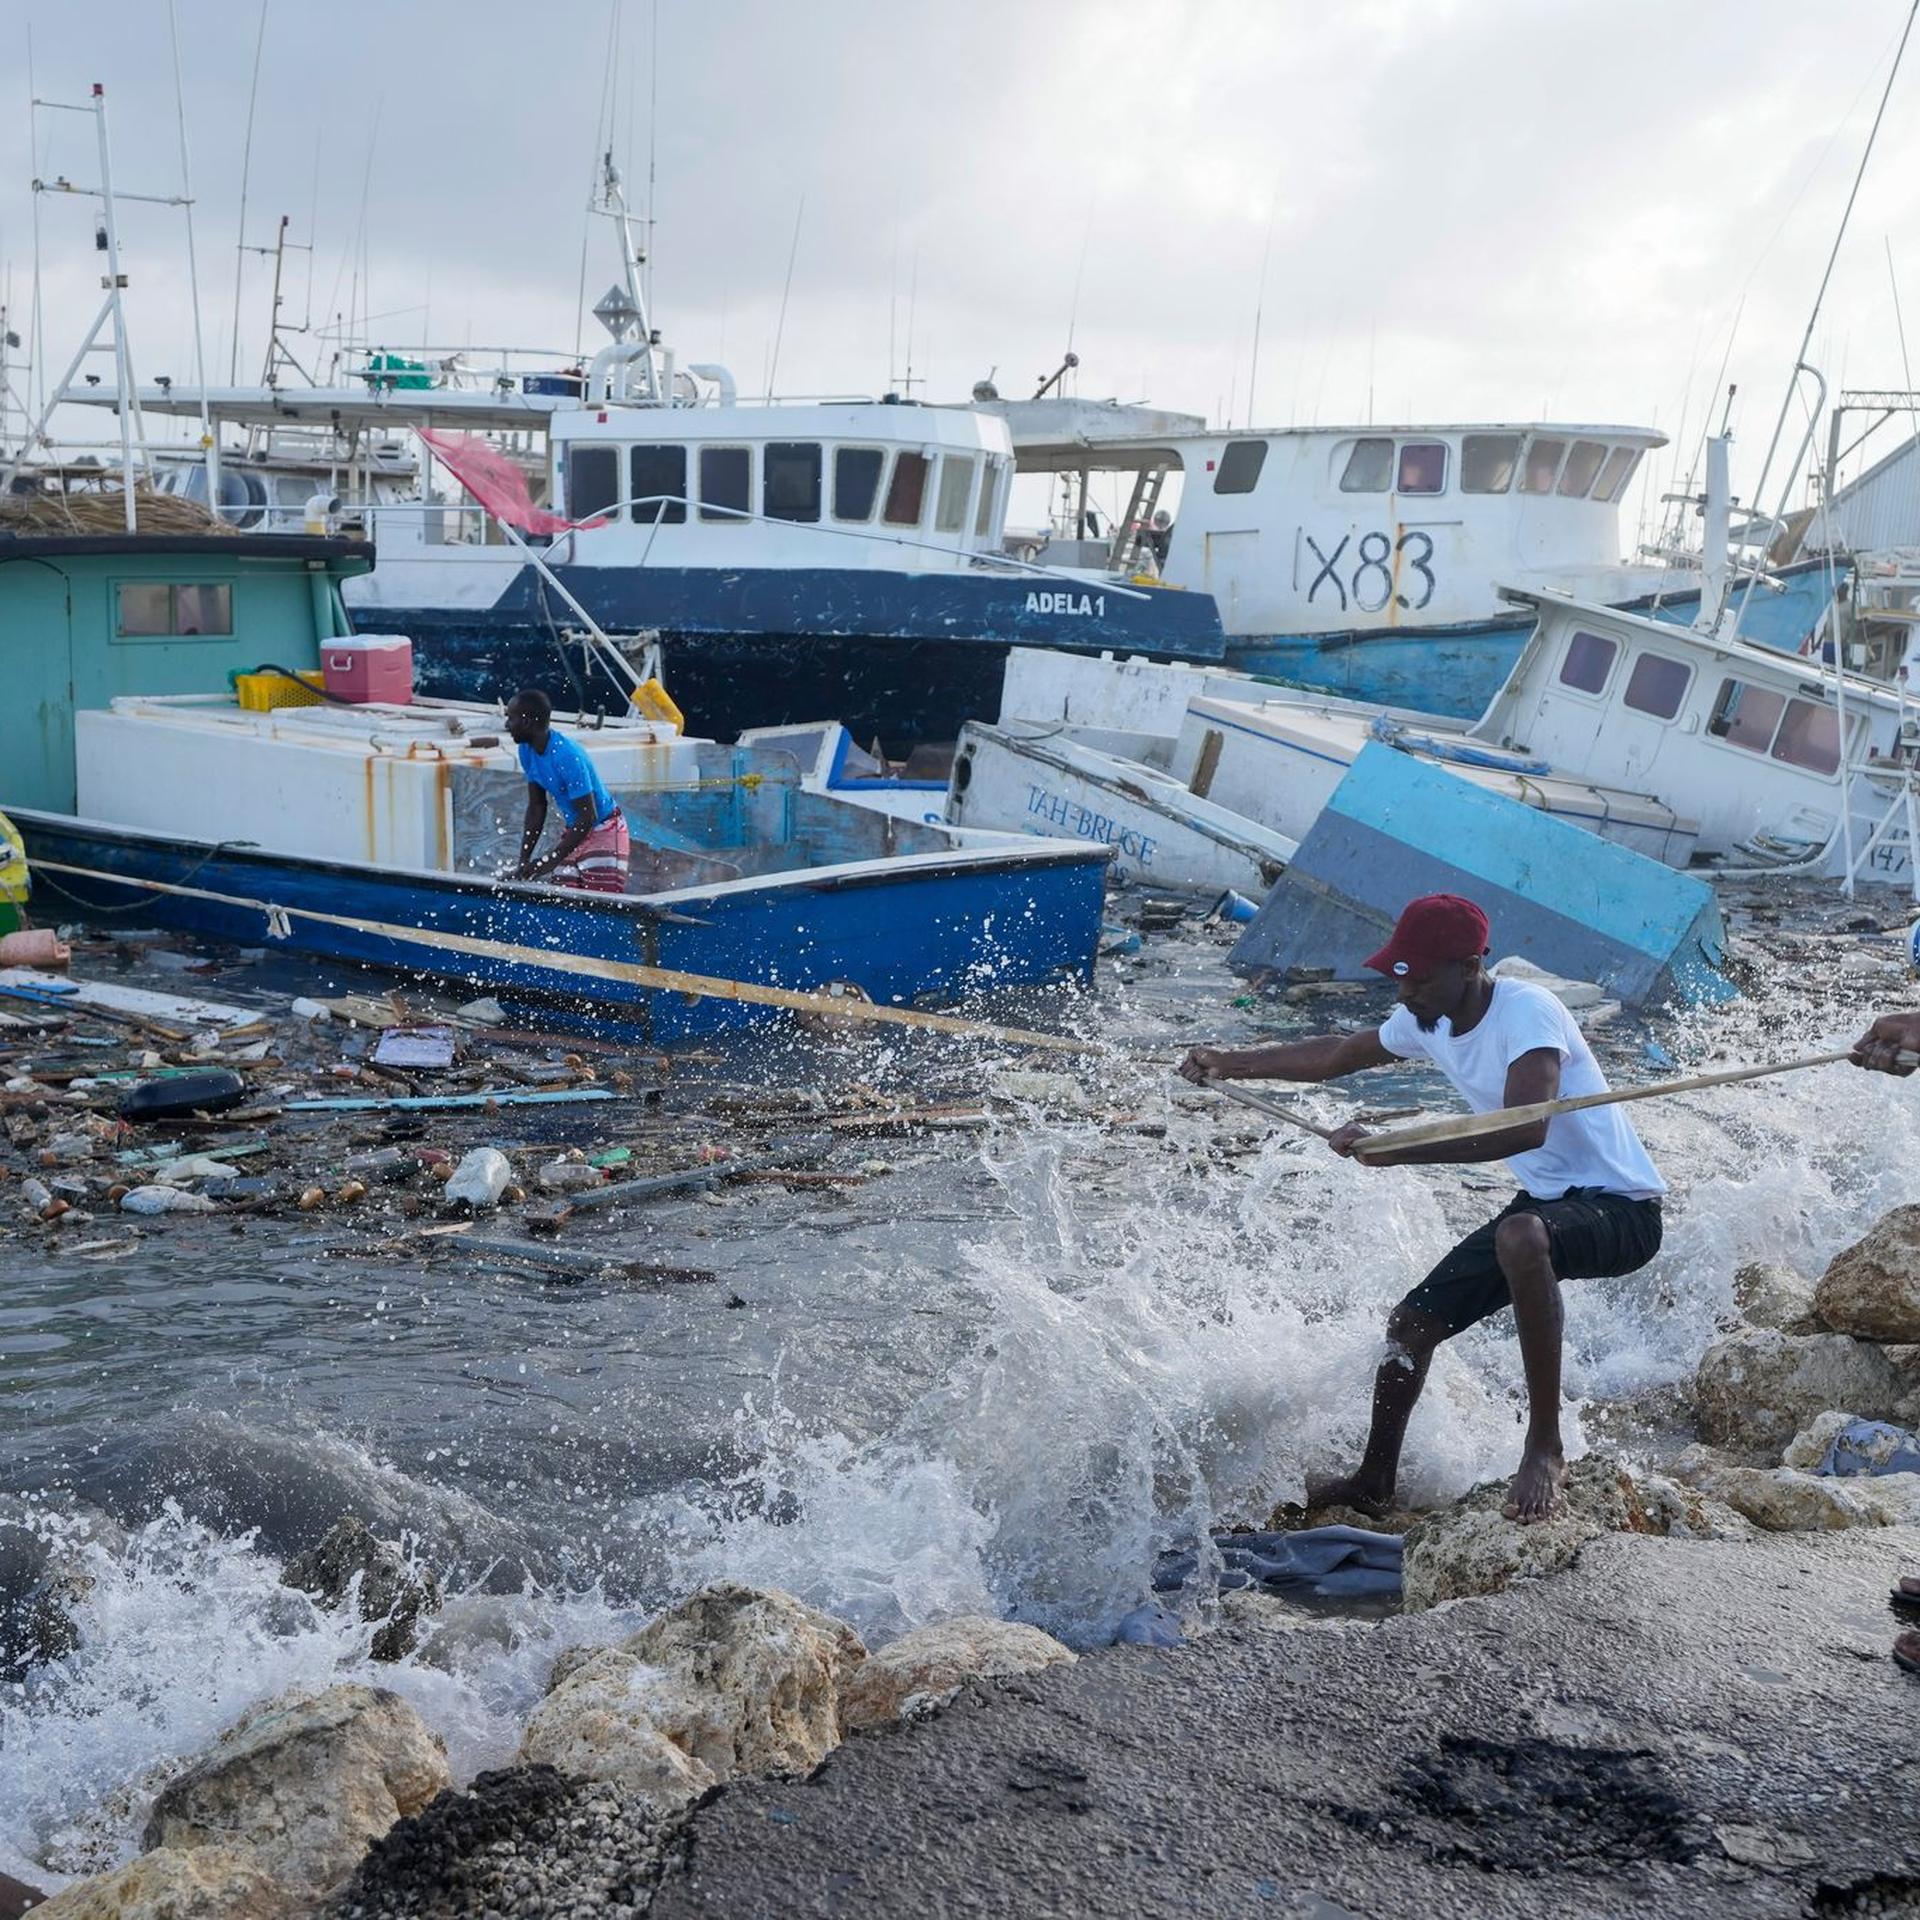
{"x":1001,"y":1378}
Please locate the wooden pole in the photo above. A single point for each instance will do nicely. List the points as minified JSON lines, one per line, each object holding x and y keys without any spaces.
{"x":1471,"y":1126}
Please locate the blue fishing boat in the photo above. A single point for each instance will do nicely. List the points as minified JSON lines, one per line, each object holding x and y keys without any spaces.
{"x":374,"y":832}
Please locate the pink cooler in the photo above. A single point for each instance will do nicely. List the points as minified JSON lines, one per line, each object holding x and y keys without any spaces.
{"x":370,"y":667}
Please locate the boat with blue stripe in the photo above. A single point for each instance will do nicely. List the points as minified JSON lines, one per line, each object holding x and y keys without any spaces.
{"x":273,"y":812}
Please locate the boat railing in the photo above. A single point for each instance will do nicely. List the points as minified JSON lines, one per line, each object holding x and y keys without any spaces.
{"x":561,"y":551}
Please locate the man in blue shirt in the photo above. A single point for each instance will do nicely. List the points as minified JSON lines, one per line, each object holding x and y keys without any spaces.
{"x":592,"y":852}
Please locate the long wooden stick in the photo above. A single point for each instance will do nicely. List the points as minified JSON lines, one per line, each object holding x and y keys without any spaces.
{"x":1470,"y":1126}
{"x":1262,"y":1104}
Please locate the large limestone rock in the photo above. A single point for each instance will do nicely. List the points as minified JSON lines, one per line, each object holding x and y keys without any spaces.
{"x":208,"y":1883}
{"x":597,"y":1724}
{"x":1471,"y":1547}
{"x":1785,"y":1501}
{"x":929,"y":1665}
{"x":1774,"y":1296}
{"x":1873,"y":1289}
{"x":350,"y":1561}
{"x":748,"y":1679}
{"x":1757,"y":1388}
{"x":304,"y":1784}
{"x":1683,"y":1512}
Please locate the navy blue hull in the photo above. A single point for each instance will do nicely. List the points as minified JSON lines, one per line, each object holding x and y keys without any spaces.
{"x":1458,"y":670}
{"x":928,"y":929}
{"x":903,"y":658}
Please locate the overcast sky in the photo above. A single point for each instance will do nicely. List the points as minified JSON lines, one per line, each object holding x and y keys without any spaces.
{"x":1470,"y":209}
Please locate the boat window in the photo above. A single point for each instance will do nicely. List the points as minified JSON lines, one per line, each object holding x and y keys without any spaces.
{"x":150,"y":608}
{"x":907,"y":493}
{"x":956,"y":483}
{"x":659,"y":491}
{"x":983,"y":514}
{"x":1657,"y":685}
{"x":1809,"y":736}
{"x":1423,"y":467}
{"x":1746,"y":716}
{"x":1369,"y":467}
{"x":1614,"y":475}
{"x":1582,"y":464}
{"x":1239,"y":467}
{"x":593,"y":481}
{"x":856,"y":481}
{"x":1589,"y":660}
{"x":1543,"y":464}
{"x":1488,"y":461}
{"x":790,"y":483}
{"x":726,"y":483}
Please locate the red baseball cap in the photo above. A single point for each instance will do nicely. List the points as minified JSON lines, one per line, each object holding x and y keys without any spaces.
{"x":1432,"y":930}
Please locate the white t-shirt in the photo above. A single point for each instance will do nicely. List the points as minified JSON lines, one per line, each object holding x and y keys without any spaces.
{"x":1594,"y":1148}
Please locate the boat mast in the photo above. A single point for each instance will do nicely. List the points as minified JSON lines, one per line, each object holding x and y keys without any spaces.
{"x":133,"y":432}
{"x":611,"y":199}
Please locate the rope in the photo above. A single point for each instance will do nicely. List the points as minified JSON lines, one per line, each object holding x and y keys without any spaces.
{"x":656,"y":979}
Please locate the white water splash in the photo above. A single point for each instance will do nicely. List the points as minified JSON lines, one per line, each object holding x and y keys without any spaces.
{"x":1164,"y":1333}
{"x":184,"y":1630}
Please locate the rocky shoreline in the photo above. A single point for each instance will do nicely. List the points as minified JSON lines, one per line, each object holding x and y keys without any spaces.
{"x":692,"y":1741}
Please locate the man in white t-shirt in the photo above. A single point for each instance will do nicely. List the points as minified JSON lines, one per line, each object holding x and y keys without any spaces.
{"x":1590,"y":1199}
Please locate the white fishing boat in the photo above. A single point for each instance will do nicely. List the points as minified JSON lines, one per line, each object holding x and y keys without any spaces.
{"x":1366,"y":561}
{"x":1162,"y":834}
{"x":1273,"y":756}
{"x":797,"y":555}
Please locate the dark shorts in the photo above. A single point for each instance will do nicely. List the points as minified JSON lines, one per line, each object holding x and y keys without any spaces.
{"x":1592,"y":1233}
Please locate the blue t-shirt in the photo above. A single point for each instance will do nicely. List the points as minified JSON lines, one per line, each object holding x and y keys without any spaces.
{"x":567,"y":772}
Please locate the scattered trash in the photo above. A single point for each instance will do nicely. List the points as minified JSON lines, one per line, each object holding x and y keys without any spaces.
{"x":178,"y":1095}
{"x":568,"y":1176}
{"x":305,"y":1009}
{"x":424,"y":1048}
{"x":485,"y":1012}
{"x":416,"y":1102}
{"x":164,"y":1200}
{"x":481,"y":1178}
{"x":38,"y":947}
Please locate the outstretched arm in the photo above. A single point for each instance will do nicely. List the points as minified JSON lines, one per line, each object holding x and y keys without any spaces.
{"x":1326,"y":1058}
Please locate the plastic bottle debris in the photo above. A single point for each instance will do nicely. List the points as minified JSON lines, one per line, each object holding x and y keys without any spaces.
{"x":37,"y":1195}
{"x":481,"y":1178}
{"x":568,"y":1176}
{"x":305,"y":1009}
{"x":164,"y":1200}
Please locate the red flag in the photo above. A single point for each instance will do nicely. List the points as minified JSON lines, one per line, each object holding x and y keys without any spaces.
{"x":494,"y":480}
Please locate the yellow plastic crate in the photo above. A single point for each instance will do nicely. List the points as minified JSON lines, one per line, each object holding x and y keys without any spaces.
{"x":262,"y":692}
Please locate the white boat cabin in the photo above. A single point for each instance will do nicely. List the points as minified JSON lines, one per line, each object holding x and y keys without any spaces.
{"x":860,"y":484}
{"x":1782,"y":761}
{"x":1310,"y":530}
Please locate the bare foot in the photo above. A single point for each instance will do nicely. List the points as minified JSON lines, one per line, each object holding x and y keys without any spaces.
{"x":1350,"y":1490}
{"x":1536,"y":1487}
